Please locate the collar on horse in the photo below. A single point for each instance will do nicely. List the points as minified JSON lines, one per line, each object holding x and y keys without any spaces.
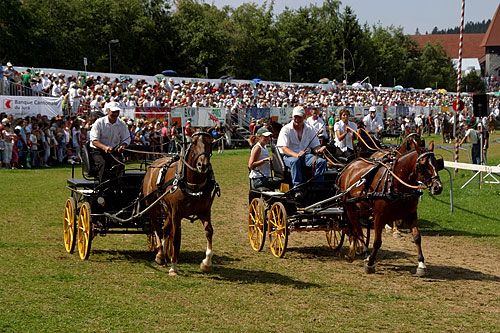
{"x":208,"y":185}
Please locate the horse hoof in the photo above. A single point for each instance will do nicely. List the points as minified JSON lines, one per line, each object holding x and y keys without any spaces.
{"x":421,"y":272}
{"x":172,"y":272}
{"x":205,"y":268}
{"x":160,"y":260}
{"x":369,"y":269}
{"x":349,"y":258}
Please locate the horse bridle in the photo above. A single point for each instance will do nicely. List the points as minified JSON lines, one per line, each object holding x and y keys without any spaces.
{"x":427,"y":181}
{"x":196,"y":157}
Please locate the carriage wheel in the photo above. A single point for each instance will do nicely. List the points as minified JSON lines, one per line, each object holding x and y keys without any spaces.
{"x":256,"y":224}
{"x":84,"y":231}
{"x":69,"y":225}
{"x":335,"y":238}
{"x":360,"y":243}
{"x":278,"y":232}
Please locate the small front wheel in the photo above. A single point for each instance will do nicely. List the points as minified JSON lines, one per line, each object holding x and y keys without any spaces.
{"x":85,"y":232}
{"x":69,"y":225}
{"x":335,"y":238}
{"x":278,"y":232}
{"x":256,"y":224}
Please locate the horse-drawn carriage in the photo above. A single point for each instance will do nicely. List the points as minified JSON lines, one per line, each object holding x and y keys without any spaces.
{"x":145,"y":199}
{"x":366,"y":193}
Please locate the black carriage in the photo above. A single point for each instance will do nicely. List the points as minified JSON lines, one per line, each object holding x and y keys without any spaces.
{"x":277,"y":211}
{"x":99,"y":208}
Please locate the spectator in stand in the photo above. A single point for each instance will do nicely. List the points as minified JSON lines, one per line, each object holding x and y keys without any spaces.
{"x":188,"y":131}
{"x":9,"y":138}
{"x":318,"y":124}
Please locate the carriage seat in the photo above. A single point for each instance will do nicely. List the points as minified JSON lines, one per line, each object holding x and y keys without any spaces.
{"x":88,"y":165}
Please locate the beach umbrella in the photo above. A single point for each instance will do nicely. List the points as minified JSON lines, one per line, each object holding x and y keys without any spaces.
{"x":399,"y":88}
{"x":169,"y":72}
{"x":324,"y":80}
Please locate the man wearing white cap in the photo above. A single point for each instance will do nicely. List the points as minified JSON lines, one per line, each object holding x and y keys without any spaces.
{"x":296,"y":141}
{"x":107,"y":134}
{"x":373,"y":124}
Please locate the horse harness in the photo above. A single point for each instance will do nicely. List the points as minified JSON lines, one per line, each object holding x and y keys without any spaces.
{"x":386,"y":180}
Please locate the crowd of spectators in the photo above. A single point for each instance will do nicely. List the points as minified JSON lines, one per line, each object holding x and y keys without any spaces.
{"x":41,"y":142}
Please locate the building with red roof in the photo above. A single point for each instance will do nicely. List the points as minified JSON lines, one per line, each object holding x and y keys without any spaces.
{"x":484,"y":47}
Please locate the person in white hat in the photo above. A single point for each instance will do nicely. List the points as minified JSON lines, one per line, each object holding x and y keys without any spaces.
{"x":297,"y":141}
{"x":373,"y":124}
{"x":108,"y":133}
{"x":259,"y":162}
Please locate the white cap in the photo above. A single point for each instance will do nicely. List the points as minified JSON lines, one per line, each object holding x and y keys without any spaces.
{"x":9,"y":64}
{"x":5,"y":121}
{"x":373,"y":109}
{"x":114,"y":107}
{"x":298,"y":111}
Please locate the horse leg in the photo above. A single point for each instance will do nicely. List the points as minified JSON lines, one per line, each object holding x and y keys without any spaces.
{"x":377,"y":243}
{"x":421,"y":268}
{"x":158,"y":236}
{"x":176,"y":229}
{"x":356,"y":230}
{"x":206,"y":264}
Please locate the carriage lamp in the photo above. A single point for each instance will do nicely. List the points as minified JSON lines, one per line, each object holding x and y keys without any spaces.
{"x":101,"y":201}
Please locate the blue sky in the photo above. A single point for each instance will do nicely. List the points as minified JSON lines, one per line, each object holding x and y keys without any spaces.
{"x":409,"y":14}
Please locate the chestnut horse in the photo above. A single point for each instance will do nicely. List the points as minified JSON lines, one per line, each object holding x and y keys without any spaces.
{"x":186,"y":188}
{"x":388,"y":192}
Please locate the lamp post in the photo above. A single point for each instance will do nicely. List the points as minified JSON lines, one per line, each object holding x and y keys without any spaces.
{"x":113,"y":41}
{"x":343,"y":61}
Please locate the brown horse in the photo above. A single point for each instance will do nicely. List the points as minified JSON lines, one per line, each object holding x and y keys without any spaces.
{"x":185,"y":188}
{"x":388,"y":192}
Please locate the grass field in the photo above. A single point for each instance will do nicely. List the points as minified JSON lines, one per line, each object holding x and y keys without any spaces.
{"x":120,"y":289}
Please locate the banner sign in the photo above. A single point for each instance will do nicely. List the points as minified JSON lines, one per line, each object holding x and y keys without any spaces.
{"x":22,"y":106}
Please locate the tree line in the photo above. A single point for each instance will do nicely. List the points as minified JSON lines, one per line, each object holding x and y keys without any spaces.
{"x":191,"y":37}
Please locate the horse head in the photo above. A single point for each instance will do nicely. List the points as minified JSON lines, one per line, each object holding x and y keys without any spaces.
{"x":199,"y":152}
{"x":427,"y":167}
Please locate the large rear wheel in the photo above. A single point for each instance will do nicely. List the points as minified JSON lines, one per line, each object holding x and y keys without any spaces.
{"x":85,"y":233}
{"x":278,"y":232}
{"x":69,"y":225}
{"x":256,"y":224}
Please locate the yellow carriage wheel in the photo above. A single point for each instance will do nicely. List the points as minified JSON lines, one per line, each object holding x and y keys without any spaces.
{"x":360,"y":243}
{"x":69,"y":225}
{"x":84,"y":231}
{"x":335,"y":238}
{"x":278,"y":232}
{"x":256,"y":224}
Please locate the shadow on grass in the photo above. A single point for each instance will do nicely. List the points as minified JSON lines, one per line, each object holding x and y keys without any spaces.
{"x":259,"y":276}
{"x":443,"y":272}
{"x":429,"y":228}
{"x":194,"y":258}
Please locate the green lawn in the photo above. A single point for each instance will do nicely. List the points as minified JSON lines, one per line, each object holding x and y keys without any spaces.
{"x":120,"y":289}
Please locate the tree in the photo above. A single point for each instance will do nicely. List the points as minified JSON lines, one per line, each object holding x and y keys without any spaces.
{"x":472,"y":83}
{"x":436,"y":68}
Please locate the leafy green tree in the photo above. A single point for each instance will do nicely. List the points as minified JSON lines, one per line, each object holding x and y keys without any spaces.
{"x":436,"y":68}
{"x":472,"y":83}
{"x":202,"y":41}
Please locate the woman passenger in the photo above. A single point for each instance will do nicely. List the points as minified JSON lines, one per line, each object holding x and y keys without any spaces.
{"x":259,"y":161}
